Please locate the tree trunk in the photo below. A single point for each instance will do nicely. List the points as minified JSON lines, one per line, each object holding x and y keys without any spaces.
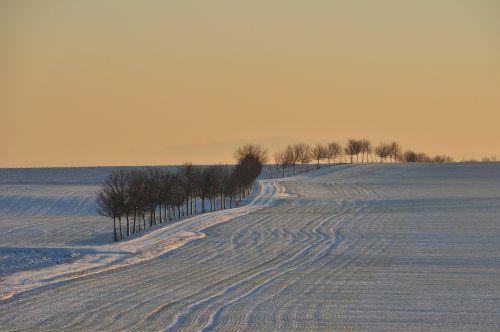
{"x":134,"y":227}
{"x":120,"y":224}
{"x":128,"y":225}
{"x":139,"y":221}
{"x":115,"y":236}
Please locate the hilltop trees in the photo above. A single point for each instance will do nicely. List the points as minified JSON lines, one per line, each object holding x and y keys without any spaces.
{"x":385,"y":152}
{"x":303,"y":153}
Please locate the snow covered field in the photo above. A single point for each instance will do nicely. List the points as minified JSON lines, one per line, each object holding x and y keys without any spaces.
{"x":370,"y":247}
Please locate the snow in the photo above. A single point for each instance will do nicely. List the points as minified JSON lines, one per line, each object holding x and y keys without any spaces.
{"x":26,"y":269}
{"x":20,"y":259}
{"x":369,"y":247}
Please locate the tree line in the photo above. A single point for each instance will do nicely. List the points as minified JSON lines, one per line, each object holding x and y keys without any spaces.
{"x":144,"y":198}
{"x":298,"y":156}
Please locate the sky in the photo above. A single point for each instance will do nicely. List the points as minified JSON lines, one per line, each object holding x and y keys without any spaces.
{"x":150,"y":82}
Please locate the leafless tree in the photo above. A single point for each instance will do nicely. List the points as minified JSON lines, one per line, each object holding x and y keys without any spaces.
{"x":281,"y":160}
{"x":111,"y":199}
{"x":333,"y":150}
{"x":319,"y":152}
{"x":383,"y":150}
{"x":207,"y":182}
{"x":442,"y":159}
{"x":292,"y":157}
{"x":353,"y":148}
{"x":178,"y":195}
{"x":248,"y":170}
{"x":188,"y":175}
{"x":366,"y":148}
{"x":302,"y":153}
{"x":134,"y":197}
{"x":254,"y":151}
{"x":423,"y":158}
{"x":230,"y":188}
{"x":395,"y":151}
{"x":166,"y":182}
{"x":416,"y":157}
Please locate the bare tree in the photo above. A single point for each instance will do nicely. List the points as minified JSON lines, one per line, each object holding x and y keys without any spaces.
{"x":205,"y":186}
{"x":383,"y":150}
{"x":443,"y":159}
{"x":395,"y":151}
{"x":319,"y":152}
{"x":292,"y":157}
{"x":302,"y":153}
{"x":111,"y":199}
{"x":134,"y":197}
{"x":254,"y":151}
{"x":333,"y":150}
{"x":423,"y":158}
{"x":187,"y":174}
{"x":353,"y":148}
{"x":230,"y":187}
{"x":410,"y":156}
{"x":366,"y":148}
{"x":281,"y":160}
{"x":248,"y":170}
{"x":166,"y":183}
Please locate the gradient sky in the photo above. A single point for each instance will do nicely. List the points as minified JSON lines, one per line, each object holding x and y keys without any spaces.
{"x":117,"y":82}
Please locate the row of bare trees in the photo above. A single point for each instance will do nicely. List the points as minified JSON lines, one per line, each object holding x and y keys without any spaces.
{"x":355,"y":150}
{"x":302,"y":154}
{"x":144,"y":198}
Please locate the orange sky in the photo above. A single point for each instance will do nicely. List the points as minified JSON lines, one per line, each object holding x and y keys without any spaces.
{"x":115,"y":82}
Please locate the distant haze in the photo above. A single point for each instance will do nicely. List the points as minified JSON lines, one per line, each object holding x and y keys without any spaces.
{"x":114,"y":82}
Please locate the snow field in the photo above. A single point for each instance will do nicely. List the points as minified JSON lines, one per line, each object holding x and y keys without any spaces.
{"x":361,"y":248}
